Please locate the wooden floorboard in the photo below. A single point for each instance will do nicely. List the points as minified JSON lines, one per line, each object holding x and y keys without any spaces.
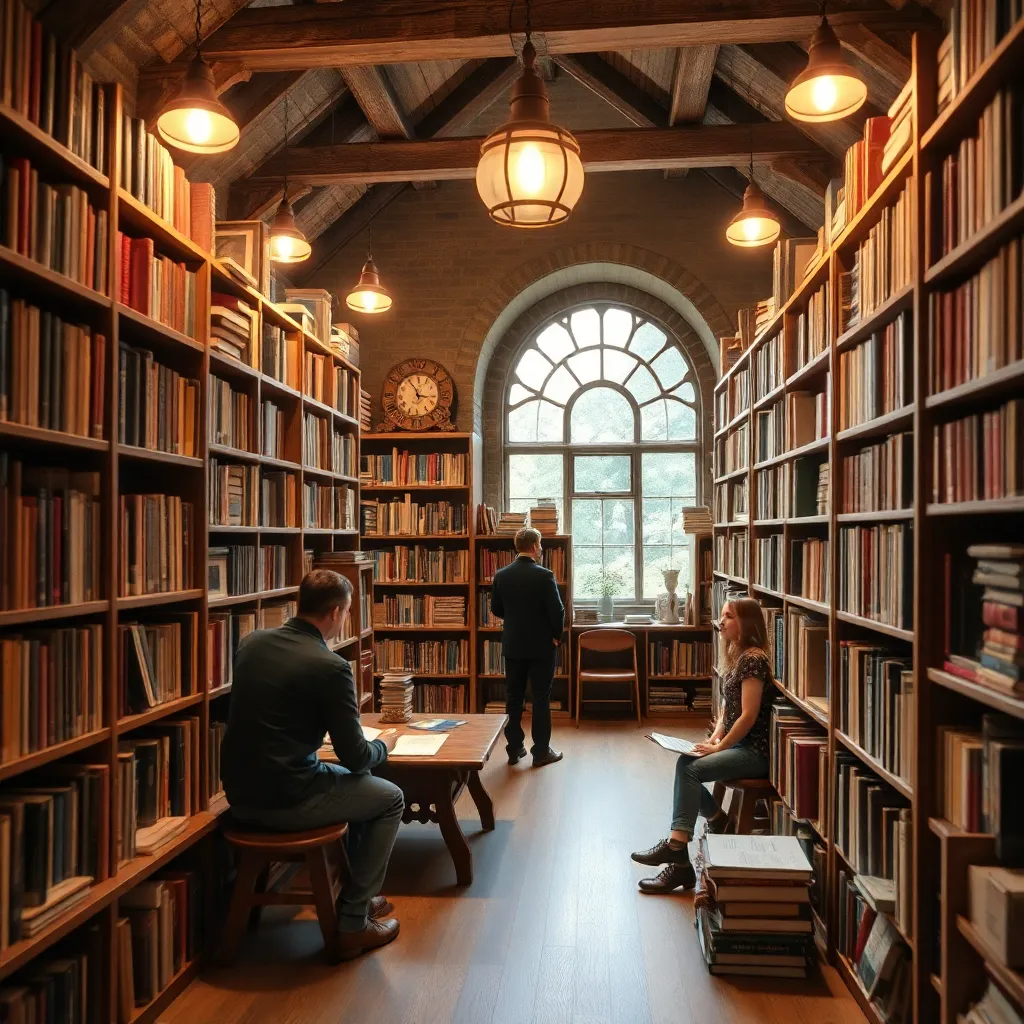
{"x":552,"y":931}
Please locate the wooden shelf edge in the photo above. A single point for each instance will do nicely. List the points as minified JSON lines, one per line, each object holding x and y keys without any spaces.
{"x":897,"y":303}
{"x":38,"y":758}
{"x":158,"y":711}
{"x":992,"y":698}
{"x":900,"y":785}
{"x":1011,"y":981}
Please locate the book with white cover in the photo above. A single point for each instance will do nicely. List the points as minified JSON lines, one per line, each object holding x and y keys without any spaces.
{"x":756,"y":857}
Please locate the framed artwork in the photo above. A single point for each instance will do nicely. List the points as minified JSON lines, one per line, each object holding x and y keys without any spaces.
{"x":247,"y":244}
{"x":318,"y":302}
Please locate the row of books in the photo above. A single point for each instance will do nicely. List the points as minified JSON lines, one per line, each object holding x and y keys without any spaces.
{"x":55,"y":225}
{"x":862,"y":166}
{"x":807,"y":656}
{"x":318,"y":377}
{"x":768,"y":567}
{"x":424,"y":657}
{"x":773,"y":488}
{"x":976,"y":27}
{"x":809,"y":569}
{"x":68,"y":983}
{"x":679,"y":658}
{"x":279,"y":499}
{"x":420,"y":610}
{"x":980,"y":457}
{"x":791,"y":259}
{"x":739,"y":393}
{"x":807,"y":416}
{"x":167,"y":759}
{"x":493,"y":559}
{"x":412,"y":469}
{"x":977,"y":181}
{"x":237,"y":569}
{"x":158,"y":662}
{"x":731,"y":552}
{"x":230,"y":416}
{"x":439,"y":699}
{"x":731,"y":451}
{"x":327,"y":506}
{"x":876,"y":377}
{"x":813,"y":331}
{"x":875,"y":573}
{"x":403,"y":516}
{"x":157,"y":286}
{"x":688,"y":697}
{"x":876,"y":704}
{"x":44,"y":81}
{"x":53,"y":688}
{"x":878,"y":477}
{"x":325,"y":447}
{"x":737,"y":504}
{"x":797,"y":764}
{"x":234,"y":324}
{"x":225,"y":630}
{"x":977,"y":327}
{"x":157,"y":406}
{"x":273,"y":421}
{"x":492,"y":661}
{"x":417,"y":563}
{"x":281,"y":354}
{"x":50,"y":536}
{"x":52,"y":372}
{"x":156,"y":550}
{"x":771,"y":432}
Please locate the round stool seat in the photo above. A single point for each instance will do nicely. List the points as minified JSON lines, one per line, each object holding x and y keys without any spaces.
{"x":754,"y":784}
{"x":288,"y":841}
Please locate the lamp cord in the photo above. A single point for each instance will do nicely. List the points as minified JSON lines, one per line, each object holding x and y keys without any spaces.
{"x":199,"y":6}
{"x":284,"y":194}
{"x":529,"y":25}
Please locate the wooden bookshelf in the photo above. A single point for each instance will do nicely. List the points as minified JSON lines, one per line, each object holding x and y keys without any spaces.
{"x":124,"y":469}
{"x":467,"y":445}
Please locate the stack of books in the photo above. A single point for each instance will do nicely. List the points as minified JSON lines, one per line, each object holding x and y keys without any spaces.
{"x":231,"y":326}
{"x":544,"y":517}
{"x":365,"y":411}
{"x":510,"y":523}
{"x":697,"y":520}
{"x":790,"y":261}
{"x":585,"y":616}
{"x":756,"y":918}
{"x":396,"y":693}
{"x":901,"y":128}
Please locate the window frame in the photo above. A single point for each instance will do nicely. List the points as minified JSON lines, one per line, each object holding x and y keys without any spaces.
{"x":635,"y":449}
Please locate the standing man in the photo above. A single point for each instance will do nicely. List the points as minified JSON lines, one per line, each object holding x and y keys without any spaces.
{"x":289,"y":691}
{"x":526,"y":596}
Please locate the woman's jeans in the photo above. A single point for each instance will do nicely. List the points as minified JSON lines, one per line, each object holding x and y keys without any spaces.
{"x":690,"y":796}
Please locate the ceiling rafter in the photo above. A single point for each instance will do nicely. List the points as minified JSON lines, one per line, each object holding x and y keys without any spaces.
{"x":78,"y":21}
{"x":886,"y":70}
{"x":691,"y":79}
{"x":597,"y":75}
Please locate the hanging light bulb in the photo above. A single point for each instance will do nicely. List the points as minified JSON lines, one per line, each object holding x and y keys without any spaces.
{"x":369,"y":295}
{"x":196,"y":120}
{"x":530,"y":174}
{"x":829,"y":88}
{"x":287,"y":242}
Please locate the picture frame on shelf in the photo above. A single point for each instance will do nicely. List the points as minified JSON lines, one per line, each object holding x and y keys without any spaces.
{"x":217,"y":573}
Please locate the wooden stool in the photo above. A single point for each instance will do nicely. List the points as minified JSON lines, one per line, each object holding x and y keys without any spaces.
{"x":323,"y":854}
{"x":745,"y":794}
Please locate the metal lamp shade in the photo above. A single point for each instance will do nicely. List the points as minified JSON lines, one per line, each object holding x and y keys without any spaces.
{"x":287,"y":243}
{"x":369,"y":295}
{"x":195,"y":120}
{"x":755,"y":224}
{"x":829,"y":88}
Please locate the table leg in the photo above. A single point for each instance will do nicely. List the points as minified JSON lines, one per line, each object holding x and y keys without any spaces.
{"x":454,"y":839}
{"x":482,"y":800}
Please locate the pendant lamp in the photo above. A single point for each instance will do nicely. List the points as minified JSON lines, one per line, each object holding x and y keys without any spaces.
{"x":369,"y":295}
{"x":829,"y":88}
{"x":755,"y":224}
{"x":287,"y":243}
{"x":196,"y":120}
{"x":530,"y":174}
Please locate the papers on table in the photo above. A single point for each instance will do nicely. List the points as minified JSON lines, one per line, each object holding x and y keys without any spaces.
{"x":437,"y":724}
{"x":369,"y":733}
{"x":419,"y":746}
{"x":673,"y":743}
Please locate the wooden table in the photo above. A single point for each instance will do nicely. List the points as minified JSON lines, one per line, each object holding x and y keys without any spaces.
{"x":432,"y":784}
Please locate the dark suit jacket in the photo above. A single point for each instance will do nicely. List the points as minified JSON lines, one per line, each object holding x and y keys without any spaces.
{"x":526,"y":596}
{"x":288,"y":691}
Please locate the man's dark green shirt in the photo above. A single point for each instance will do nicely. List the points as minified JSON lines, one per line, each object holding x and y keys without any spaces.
{"x":289,"y":690}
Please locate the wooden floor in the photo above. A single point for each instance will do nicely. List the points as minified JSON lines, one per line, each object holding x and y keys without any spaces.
{"x":552,"y":931}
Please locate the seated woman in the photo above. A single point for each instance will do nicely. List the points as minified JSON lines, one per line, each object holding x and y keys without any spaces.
{"x":737,"y":749}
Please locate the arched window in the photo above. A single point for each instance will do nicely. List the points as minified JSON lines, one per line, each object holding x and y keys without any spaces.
{"x":602,"y":417}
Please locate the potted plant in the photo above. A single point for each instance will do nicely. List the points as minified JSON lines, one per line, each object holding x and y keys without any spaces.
{"x":607,"y":583}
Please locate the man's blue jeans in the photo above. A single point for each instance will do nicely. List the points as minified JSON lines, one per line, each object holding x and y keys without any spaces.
{"x":690,"y":797}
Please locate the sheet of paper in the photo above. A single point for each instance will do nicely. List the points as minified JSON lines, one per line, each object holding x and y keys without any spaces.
{"x":674,"y":743}
{"x":419,"y":746}
{"x":369,"y":733}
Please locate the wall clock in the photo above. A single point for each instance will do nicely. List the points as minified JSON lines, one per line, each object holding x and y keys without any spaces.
{"x":418,"y":394}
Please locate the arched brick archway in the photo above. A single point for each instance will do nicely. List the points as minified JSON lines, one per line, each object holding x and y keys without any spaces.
{"x":521,"y":331}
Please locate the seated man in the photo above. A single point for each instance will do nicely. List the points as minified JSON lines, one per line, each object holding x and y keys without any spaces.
{"x":289,"y":690}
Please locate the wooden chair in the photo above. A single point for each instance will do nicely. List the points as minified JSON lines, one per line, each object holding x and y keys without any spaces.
{"x":323,"y":854}
{"x":744,"y":795}
{"x":606,"y":640}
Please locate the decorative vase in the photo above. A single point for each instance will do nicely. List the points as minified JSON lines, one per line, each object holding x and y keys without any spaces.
{"x":668,"y":603}
{"x":607,"y":608}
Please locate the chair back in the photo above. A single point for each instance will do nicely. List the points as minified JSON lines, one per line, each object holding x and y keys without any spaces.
{"x":607,"y":640}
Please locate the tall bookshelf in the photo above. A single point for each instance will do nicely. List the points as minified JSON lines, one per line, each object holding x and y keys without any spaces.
{"x":948,"y":974}
{"x":489,"y":685}
{"x":407,"y":587}
{"x":119,"y":471}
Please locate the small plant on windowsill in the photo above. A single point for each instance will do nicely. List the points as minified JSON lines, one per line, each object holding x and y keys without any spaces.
{"x":606,"y":582}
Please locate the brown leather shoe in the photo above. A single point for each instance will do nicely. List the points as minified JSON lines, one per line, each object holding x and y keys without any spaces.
{"x":373,"y":936}
{"x":552,"y":755}
{"x":381,"y":906}
{"x":670,"y":878}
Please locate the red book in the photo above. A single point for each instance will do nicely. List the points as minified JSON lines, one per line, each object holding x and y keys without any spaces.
{"x":36,"y":72}
{"x":201,"y":211}
{"x":959,"y":670}
{"x":125,"y":245}
{"x":140,"y":288}
{"x":876,"y":135}
{"x":864,"y":931}
{"x":1001,"y":616}
{"x":21,"y":165}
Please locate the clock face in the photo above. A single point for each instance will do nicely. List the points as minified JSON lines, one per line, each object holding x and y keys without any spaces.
{"x":417,"y":395}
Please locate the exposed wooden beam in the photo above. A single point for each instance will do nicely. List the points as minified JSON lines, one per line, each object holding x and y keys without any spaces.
{"x":259,"y":94}
{"x":392,"y":31}
{"x":605,"y":150}
{"x":695,"y":67}
{"x":891,"y":70}
{"x":77,"y":21}
{"x":614,"y":88}
{"x":159,"y":83}
{"x":265,"y":203}
{"x":377,"y":100}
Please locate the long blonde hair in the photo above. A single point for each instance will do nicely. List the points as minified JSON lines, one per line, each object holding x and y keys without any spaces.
{"x":753,"y":633}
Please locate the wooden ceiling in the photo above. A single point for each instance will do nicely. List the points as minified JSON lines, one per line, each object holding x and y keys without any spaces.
{"x":386,"y":94}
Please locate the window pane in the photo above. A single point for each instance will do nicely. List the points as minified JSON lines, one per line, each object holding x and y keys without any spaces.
{"x":586,"y":327}
{"x":618,"y":520}
{"x":642,"y":385}
{"x":617,"y":365}
{"x":618,"y":325}
{"x":669,"y":475}
{"x":555,"y":343}
{"x":670,"y":367}
{"x":586,"y":521}
{"x":648,"y":341}
{"x":657,"y":521}
{"x":522,"y":422}
{"x":586,"y":571}
{"x":517,"y":393}
{"x":653,"y":421}
{"x":561,"y":386}
{"x":533,"y":369}
{"x":607,"y":473}
{"x":586,"y":365}
{"x":532,"y":476}
{"x":550,"y":422}
{"x":685,"y":392}
{"x":682,"y":421}
{"x":601,"y":416}
{"x":603,"y":546}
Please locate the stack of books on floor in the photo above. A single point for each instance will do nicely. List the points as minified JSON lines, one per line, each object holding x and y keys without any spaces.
{"x":757,"y":917}
{"x":544,"y":517}
{"x":396,"y":692}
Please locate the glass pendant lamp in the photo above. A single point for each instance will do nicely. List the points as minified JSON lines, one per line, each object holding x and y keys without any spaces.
{"x":287,"y":243}
{"x":369,"y":295}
